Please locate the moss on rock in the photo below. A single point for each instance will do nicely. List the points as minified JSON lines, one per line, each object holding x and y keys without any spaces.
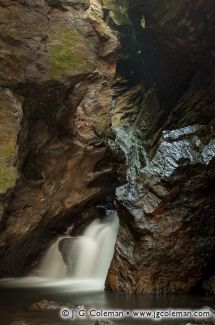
{"x":8,"y":173}
{"x":8,"y":176}
{"x":68,"y":54}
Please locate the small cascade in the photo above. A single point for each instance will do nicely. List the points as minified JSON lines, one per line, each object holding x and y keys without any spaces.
{"x":52,"y":265}
{"x":76,"y":263}
{"x":91,"y":254}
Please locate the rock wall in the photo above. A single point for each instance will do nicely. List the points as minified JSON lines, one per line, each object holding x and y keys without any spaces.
{"x":167,"y":233}
{"x":58,"y":60}
{"x":164,"y":125}
{"x":81,"y":116}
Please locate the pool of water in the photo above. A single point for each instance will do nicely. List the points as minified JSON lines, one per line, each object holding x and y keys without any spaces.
{"x":14,"y":303}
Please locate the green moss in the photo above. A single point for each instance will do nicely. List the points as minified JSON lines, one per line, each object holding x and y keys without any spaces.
{"x":7,"y":151}
{"x":68,"y":54}
{"x":64,"y":59}
{"x":8,"y":173}
{"x":8,"y":176}
{"x":67,"y":36}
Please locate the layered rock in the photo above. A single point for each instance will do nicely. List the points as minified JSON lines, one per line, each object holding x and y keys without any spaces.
{"x":58,"y":60}
{"x":167,"y":233}
{"x":164,"y":124}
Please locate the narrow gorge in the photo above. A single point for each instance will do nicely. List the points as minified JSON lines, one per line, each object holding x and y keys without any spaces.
{"x":109,"y":106}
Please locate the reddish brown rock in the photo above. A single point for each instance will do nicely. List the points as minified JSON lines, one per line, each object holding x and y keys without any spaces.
{"x":58,"y":61}
{"x":53,"y":59}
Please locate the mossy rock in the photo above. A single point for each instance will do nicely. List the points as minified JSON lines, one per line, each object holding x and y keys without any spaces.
{"x":8,"y":173}
{"x":7,"y":151}
{"x":68,"y":54}
{"x":8,"y":176}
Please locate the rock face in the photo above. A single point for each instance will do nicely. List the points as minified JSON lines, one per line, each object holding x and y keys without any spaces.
{"x":58,"y":60}
{"x":73,"y":111}
{"x":167,"y":235}
{"x":164,"y":124}
{"x":10,"y":119}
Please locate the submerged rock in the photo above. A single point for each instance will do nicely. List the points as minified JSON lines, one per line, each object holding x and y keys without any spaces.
{"x":45,"y":305}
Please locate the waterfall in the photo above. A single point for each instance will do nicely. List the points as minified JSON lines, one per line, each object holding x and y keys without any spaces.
{"x":52,"y":264}
{"x":76,"y":263}
{"x":91,"y":254}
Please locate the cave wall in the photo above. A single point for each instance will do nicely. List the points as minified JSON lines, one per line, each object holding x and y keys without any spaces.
{"x":164,"y":125}
{"x":167,"y":235}
{"x":81,"y":114}
{"x":58,"y":60}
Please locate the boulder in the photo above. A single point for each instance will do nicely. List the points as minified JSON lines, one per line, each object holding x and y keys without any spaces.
{"x":45,"y":305}
{"x":165,"y":208}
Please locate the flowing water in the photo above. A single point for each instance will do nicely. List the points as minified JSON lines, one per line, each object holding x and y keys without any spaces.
{"x":92,"y":253}
{"x":81,"y":264}
{"x":73,"y":270}
{"x":52,"y":265}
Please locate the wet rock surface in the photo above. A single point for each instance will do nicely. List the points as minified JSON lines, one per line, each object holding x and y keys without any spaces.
{"x":164,"y":126}
{"x":58,"y":101}
{"x":53,"y":69}
{"x":167,"y":233}
{"x":45,"y":305}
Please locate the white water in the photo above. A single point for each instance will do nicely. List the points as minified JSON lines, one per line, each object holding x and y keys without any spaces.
{"x":88,"y":258}
{"x":52,"y":265}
